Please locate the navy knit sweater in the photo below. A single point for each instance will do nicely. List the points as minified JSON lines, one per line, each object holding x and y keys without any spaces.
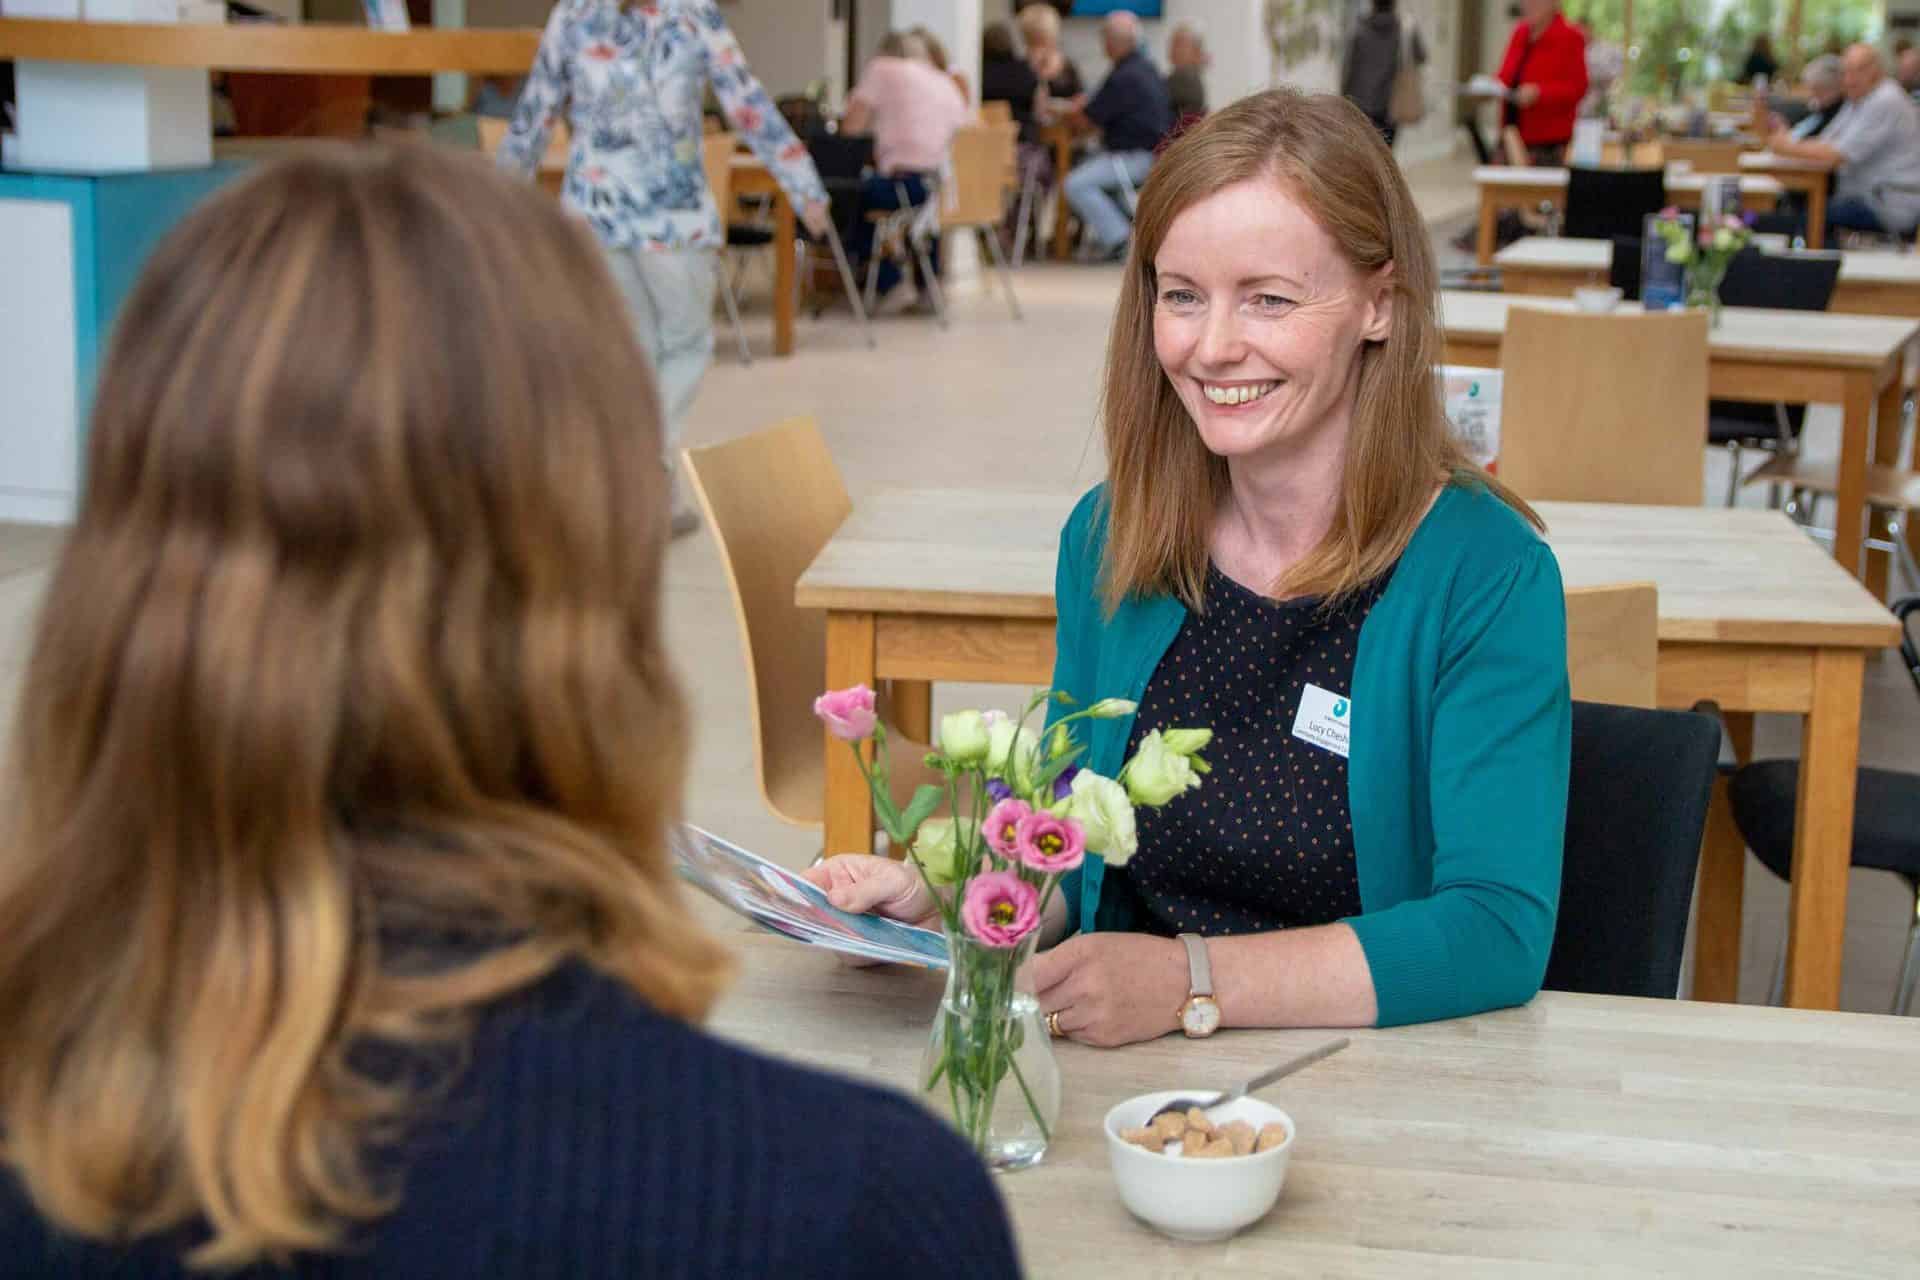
{"x":591,"y":1136}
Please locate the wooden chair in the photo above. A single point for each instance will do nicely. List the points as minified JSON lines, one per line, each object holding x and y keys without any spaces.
{"x":1605,"y":408}
{"x":772,"y":499}
{"x":983,"y":155}
{"x":993,"y":113}
{"x":552,"y":173}
{"x":1613,"y":643}
{"x":716,"y":153}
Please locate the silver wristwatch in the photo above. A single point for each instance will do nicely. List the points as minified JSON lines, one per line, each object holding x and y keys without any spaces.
{"x":1200,"y":1015}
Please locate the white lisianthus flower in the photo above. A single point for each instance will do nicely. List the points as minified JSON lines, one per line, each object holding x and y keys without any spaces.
{"x":1186,"y":742}
{"x":1156,"y":775}
{"x":937,"y":848}
{"x":965,"y":737}
{"x":1101,"y":807}
{"x":1012,"y":753}
{"x":1111,"y":709}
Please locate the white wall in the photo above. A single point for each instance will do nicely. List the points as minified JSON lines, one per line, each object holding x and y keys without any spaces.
{"x":788,"y":43}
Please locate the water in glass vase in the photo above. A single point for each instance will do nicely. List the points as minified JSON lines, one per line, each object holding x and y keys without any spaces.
{"x":989,"y":1066}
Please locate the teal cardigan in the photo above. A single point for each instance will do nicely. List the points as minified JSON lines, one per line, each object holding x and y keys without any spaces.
{"x":1457,"y":776}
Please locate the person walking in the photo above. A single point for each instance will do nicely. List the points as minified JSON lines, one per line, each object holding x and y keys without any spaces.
{"x":630,"y":80}
{"x":1378,"y":46}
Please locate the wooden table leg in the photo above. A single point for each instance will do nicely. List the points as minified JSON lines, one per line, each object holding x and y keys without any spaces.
{"x":913,"y":708}
{"x":1886,"y":452}
{"x":783,"y":270}
{"x":1723,"y":883}
{"x":1817,"y":212}
{"x":1489,"y":234}
{"x":1062,"y":165}
{"x":1850,"y":498}
{"x":849,"y":806}
{"x":1823,"y":830}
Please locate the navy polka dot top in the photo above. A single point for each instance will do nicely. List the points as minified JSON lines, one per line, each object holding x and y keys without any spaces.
{"x":1267,"y":842}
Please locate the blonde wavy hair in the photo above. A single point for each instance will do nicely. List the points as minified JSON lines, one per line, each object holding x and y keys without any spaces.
{"x":348,"y":711}
{"x":1163,"y":487}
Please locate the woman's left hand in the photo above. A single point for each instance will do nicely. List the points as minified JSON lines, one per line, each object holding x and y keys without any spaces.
{"x":1112,"y":988}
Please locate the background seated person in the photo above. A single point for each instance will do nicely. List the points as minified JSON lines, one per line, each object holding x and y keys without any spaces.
{"x":1875,"y":142}
{"x":1132,"y":114}
{"x":913,"y":110}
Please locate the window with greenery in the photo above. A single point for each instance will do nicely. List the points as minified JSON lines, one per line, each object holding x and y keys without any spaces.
{"x":1685,"y":43}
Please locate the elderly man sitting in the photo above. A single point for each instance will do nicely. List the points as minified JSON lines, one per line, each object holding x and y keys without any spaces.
{"x":1875,"y":142}
{"x":1132,"y":113}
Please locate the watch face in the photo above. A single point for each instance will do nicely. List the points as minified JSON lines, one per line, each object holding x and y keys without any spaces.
{"x":1201,"y":1017}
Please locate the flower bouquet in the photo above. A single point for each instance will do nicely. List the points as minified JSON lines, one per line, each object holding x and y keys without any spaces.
{"x":1705,"y":252}
{"x":1021,"y":814}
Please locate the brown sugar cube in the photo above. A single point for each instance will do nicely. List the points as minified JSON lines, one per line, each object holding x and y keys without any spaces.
{"x":1169,"y":1126}
{"x":1271,"y":1136}
{"x":1240,"y":1134}
{"x":1143,"y":1138}
{"x":1197,"y":1121}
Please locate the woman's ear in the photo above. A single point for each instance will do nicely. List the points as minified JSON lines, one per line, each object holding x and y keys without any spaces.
{"x":1379,"y":317}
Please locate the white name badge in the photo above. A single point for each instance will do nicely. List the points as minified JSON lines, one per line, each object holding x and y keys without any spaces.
{"x":1325,"y":719}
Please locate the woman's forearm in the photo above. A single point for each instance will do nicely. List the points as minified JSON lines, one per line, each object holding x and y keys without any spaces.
{"x":1314,"y":977}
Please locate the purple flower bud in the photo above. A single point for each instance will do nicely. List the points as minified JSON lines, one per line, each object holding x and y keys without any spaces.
{"x":999,"y":790}
{"x":1063,"y":785}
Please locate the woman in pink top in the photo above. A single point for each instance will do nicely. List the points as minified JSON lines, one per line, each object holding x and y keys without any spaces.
{"x":913,"y":111}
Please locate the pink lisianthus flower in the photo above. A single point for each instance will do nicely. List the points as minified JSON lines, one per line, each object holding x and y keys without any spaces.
{"x":848,"y":713}
{"x":1000,"y":909}
{"x":1003,"y":825}
{"x":1050,"y":844}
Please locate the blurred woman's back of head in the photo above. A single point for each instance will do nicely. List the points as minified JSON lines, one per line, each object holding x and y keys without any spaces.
{"x":347,"y":711}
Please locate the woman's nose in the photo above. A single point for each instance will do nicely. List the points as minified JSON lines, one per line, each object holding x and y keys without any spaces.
{"x":1220,"y":342}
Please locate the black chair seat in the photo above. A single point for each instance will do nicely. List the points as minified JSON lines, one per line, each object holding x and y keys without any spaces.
{"x":1636,"y":807}
{"x":1730,"y":421}
{"x":1886,"y":816}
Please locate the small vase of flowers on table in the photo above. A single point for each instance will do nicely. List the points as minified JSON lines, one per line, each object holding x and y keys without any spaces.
{"x":1021,"y":813}
{"x":1705,"y":252}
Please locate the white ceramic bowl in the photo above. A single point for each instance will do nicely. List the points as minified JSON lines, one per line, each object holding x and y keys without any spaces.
{"x":1596,"y":297}
{"x":1197,"y":1200}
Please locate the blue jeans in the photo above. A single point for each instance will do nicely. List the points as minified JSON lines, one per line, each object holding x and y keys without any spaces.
{"x":1852,"y":213}
{"x":883,"y":193}
{"x":1093,"y":189}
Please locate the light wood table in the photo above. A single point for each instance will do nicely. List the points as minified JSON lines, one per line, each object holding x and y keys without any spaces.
{"x":958,"y":585}
{"x":1871,"y":283}
{"x":1809,"y":177}
{"x":1761,"y":357}
{"x":1526,"y":188}
{"x":751,"y":177}
{"x":1573,"y":1137}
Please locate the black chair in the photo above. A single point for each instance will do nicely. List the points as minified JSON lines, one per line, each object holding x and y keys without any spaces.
{"x":1784,"y":282}
{"x":1603,"y":203}
{"x":1886,"y":821}
{"x":1623,"y":272}
{"x":1636,"y":809}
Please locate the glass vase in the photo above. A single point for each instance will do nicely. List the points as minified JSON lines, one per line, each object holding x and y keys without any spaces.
{"x":989,"y":1066}
{"x":1703,"y":286}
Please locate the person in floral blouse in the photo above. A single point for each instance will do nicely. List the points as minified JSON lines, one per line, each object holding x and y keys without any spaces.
{"x":630,"y":79}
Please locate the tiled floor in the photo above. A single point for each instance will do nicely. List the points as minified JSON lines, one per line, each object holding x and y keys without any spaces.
{"x":992,"y":403}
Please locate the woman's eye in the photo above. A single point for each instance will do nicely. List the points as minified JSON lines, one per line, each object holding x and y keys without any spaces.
{"x":1179,"y":297}
{"x":1271,"y":301}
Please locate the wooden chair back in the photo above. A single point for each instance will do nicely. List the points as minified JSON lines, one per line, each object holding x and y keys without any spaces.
{"x":983,"y":157}
{"x":992,"y":113}
{"x":1613,"y":644}
{"x":716,"y":154}
{"x":772,"y":499}
{"x":1605,"y":408}
{"x":553,"y":165}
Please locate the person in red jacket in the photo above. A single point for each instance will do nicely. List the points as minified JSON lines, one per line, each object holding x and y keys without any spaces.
{"x":1546,"y":68}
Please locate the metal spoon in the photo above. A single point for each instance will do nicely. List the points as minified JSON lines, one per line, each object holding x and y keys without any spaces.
{"x":1267,"y":1077}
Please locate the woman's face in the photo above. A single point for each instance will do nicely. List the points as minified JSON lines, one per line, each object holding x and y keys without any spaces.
{"x":1259,"y":321}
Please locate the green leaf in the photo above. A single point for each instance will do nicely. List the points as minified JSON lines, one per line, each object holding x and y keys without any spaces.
{"x":925,"y":800}
{"x":1043,"y":784}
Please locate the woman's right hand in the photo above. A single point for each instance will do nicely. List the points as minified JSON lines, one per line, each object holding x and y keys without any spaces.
{"x":866,"y":885}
